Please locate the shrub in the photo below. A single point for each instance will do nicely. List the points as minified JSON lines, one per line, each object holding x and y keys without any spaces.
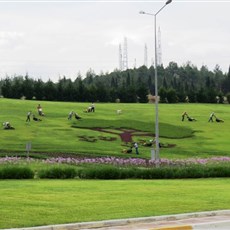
{"x":100,"y":172}
{"x":195,"y":171}
{"x":57,"y":173}
{"x":16,"y":172}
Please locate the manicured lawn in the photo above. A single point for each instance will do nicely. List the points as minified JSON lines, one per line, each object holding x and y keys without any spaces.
{"x":56,"y":134}
{"x":37,"y":202}
{"x":27,"y":203}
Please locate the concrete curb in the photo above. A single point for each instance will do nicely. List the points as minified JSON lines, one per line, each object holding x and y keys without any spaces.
{"x":123,"y":222}
{"x":220,"y":225}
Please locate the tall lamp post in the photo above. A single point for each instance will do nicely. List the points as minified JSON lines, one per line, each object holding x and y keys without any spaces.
{"x":157,"y":150}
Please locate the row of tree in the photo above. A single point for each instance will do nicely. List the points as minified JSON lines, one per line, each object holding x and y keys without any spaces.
{"x":186,"y":83}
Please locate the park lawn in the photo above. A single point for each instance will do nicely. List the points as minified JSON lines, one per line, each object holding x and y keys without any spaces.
{"x":26,"y":203}
{"x":56,"y":134}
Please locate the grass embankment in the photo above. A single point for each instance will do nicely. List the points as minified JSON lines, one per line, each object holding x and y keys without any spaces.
{"x":44,"y":202}
{"x":56,"y":134}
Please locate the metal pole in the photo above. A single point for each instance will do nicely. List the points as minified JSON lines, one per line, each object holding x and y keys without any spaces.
{"x":156,"y":94}
{"x":157,"y":150}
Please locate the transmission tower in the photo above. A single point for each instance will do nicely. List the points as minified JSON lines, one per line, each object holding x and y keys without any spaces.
{"x":125,"y":55}
{"x":146,"y":56}
{"x":152,"y":62}
{"x":135,"y":63}
{"x":159,"y":53}
{"x":120,"y":58}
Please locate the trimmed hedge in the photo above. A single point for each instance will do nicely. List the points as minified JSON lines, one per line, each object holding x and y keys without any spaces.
{"x":196,"y":171}
{"x":108,"y":172}
{"x":58,"y":173}
{"x":15,"y":172}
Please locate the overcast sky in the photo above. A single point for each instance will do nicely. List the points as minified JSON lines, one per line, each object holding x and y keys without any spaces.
{"x":49,"y":39}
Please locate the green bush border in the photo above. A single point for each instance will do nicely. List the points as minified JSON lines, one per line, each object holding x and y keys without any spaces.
{"x":16,"y":172}
{"x":56,"y":172}
{"x":109,"y":172}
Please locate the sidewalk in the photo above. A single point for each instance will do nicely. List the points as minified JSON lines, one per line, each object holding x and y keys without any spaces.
{"x":218,"y":220}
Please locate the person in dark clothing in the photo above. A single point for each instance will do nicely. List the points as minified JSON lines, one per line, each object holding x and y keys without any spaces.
{"x":92,"y":107}
{"x":39,"y":108}
{"x":211,"y":117}
{"x":70,"y":115}
{"x":183,"y":116}
{"x":28,"y":116}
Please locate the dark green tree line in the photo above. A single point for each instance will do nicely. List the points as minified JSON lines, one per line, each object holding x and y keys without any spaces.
{"x":176,"y":83}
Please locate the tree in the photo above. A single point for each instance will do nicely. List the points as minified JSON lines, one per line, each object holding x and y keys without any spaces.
{"x":28,"y":88}
{"x":142,"y":92}
{"x":101,"y":92}
{"x":201,"y":96}
{"x":50,"y":91}
{"x":7,"y":88}
{"x":211,"y":95}
{"x":172,"y":96}
{"x":130,"y":85}
{"x":228,"y":97}
{"x":39,"y":89}
{"x":131,"y":94}
{"x":17,"y":87}
{"x":165,"y":85}
{"x":81,"y":90}
{"x":163,"y":95}
{"x":128,"y":80}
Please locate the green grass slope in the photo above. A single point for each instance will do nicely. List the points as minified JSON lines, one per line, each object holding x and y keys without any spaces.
{"x":55,"y":133}
{"x":27,"y":203}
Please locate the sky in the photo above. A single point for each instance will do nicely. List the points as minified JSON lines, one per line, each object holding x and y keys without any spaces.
{"x":51,"y":39}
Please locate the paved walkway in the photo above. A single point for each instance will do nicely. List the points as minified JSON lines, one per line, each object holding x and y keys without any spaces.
{"x":218,"y":220}
{"x":209,"y":222}
{"x":201,"y":220}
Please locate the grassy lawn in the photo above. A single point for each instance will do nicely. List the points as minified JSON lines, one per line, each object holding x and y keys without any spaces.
{"x":27,"y":203}
{"x":37,"y":202}
{"x":56,"y":134}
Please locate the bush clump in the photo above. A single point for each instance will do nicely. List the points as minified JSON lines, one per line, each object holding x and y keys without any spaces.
{"x":57,"y":173}
{"x":16,"y":172}
{"x":113,"y":172}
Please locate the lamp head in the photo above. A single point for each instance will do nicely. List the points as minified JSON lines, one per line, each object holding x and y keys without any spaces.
{"x":141,"y":12}
{"x":169,"y":1}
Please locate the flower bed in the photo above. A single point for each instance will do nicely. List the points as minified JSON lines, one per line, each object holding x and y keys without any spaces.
{"x":118,"y":161}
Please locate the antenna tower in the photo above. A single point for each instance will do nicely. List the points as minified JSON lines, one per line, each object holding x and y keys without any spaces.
{"x":146,"y":56}
{"x":125,"y":55}
{"x":120,"y":58}
{"x":135,"y":63}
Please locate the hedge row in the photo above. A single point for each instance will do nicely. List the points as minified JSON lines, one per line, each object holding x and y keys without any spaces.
{"x":58,"y":173}
{"x":16,"y":172}
{"x":109,"y":172}
{"x":112,"y":172}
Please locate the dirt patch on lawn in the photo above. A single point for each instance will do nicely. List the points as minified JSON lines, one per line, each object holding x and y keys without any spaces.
{"x":126,"y":135}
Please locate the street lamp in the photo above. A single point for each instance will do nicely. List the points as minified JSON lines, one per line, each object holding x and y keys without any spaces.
{"x":157,"y":150}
